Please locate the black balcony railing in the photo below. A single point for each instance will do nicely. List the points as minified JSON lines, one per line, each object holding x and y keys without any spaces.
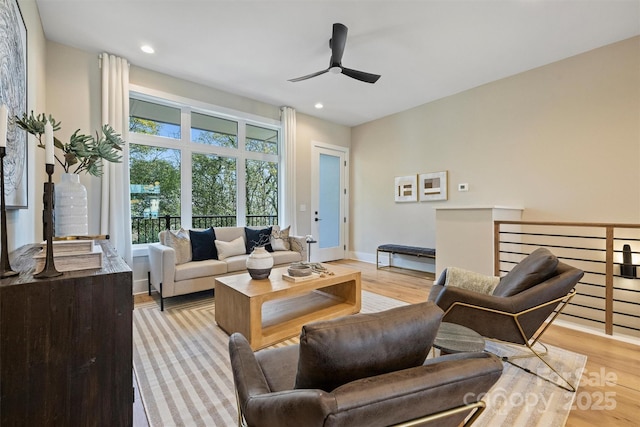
{"x":258,"y":220}
{"x":145,"y":230}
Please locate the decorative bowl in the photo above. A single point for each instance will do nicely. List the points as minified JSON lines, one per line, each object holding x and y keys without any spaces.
{"x":299,"y":270}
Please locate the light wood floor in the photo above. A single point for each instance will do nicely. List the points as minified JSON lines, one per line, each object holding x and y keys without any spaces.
{"x":609,"y":394}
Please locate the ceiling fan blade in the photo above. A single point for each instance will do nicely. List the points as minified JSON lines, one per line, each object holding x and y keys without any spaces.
{"x":360,"y":75}
{"x":299,"y":79}
{"x":337,"y":43}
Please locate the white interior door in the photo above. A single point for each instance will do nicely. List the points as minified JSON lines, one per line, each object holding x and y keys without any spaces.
{"x":329,"y":202}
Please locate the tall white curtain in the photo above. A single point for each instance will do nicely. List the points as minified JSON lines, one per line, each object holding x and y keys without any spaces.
{"x":288,"y":116}
{"x":115,"y":219}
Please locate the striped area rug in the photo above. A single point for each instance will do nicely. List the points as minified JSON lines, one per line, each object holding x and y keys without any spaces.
{"x":181,"y":362}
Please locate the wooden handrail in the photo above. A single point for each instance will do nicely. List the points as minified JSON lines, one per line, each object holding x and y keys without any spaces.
{"x":608,"y":301}
{"x":572,"y":224}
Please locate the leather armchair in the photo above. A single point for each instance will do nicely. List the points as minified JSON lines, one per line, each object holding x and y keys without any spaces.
{"x":518,"y":307}
{"x":361,"y":370}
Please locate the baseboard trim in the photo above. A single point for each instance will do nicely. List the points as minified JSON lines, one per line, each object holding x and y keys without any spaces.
{"x":140,"y":286}
{"x":587,"y":330}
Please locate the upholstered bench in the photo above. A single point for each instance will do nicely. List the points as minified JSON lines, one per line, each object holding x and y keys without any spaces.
{"x":392,"y":249}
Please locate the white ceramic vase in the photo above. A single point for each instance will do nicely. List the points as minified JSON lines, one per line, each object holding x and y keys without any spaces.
{"x":70,"y":207}
{"x":259,"y":263}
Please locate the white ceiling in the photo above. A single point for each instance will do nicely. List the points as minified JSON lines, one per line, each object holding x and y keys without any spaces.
{"x":424,"y":50}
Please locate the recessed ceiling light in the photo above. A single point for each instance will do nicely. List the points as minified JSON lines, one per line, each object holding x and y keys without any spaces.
{"x":319,"y":105}
{"x":147,"y":49}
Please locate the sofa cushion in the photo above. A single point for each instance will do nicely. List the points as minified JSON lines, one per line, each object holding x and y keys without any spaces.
{"x":280,"y":238}
{"x":202,"y":244}
{"x":229,"y":249}
{"x":179,"y":241}
{"x":258,"y":237}
{"x":286,"y":257}
{"x":535,"y":268}
{"x":194,"y":270}
{"x":237,"y":263}
{"x":338,"y":351}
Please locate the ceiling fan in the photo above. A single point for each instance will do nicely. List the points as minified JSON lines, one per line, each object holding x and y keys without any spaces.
{"x":336,"y":43}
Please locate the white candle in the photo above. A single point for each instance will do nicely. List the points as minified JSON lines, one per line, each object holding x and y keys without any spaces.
{"x":4,"y":114}
{"x":48,"y":143}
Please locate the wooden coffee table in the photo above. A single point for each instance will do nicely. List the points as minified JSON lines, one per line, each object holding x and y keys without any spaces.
{"x":270,"y":310}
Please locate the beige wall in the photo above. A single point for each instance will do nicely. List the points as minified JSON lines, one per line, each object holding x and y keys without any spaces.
{"x":562,"y":141}
{"x":74,"y":99}
{"x":310,"y":130}
{"x":165,"y":83}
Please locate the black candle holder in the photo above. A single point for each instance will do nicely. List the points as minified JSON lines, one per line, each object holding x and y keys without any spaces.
{"x":5,"y":267}
{"x":49,"y":269}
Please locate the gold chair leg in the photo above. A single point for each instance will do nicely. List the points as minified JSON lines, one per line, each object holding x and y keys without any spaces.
{"x":533,"y":354}
{"x":569,"y":387}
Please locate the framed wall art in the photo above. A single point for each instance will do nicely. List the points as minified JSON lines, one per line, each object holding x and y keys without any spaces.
{"x":432,"y":186}
{"x":406,"y":188}
{"x":13,"y":94}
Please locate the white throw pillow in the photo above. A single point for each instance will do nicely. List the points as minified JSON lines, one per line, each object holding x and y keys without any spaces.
{"x":229,"y":249}
{"x":179,"y":241}
{"x":280,"y":238}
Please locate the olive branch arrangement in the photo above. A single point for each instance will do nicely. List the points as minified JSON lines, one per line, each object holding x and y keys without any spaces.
{"x":83,"y":153}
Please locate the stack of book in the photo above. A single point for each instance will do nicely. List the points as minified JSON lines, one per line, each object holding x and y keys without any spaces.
{"x":71,"y":255}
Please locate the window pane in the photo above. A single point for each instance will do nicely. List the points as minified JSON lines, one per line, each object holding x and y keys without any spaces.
{"x":155,"y":191}
{"x":214,"y":131}
{"x":262,"y":192}
{"x":154,"y":119}
{"x":262,"y":140}
{"x":214,"y":190}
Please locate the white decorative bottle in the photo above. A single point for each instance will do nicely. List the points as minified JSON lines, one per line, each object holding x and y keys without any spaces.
{"x":259,"y":263}
{"x":70,"y":208}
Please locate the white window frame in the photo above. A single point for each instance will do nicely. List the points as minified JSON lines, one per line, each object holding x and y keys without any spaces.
{"x":187,"y":148}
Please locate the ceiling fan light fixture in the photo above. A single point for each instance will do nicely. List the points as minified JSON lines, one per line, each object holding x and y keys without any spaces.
{"x":337,"y":44}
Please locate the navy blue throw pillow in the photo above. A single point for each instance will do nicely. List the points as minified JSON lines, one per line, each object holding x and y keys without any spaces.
{"x":202,"y":244}
{"x":258,"y":238}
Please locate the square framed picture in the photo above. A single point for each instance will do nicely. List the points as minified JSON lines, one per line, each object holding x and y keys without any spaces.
{"x":432,"y":186}
{"x":406,"y":188}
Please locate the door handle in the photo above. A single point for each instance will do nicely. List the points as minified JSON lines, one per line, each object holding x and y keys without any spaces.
{"x":318,"y":219}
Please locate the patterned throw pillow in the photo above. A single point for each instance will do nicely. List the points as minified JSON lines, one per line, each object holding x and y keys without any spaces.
{"x":179,"y":241}
{"x":280,"y":238}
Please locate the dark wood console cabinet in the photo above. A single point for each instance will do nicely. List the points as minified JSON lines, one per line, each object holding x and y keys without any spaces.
{"x":66,"y":345}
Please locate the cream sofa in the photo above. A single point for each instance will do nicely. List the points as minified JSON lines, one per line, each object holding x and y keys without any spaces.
{"x":171,"y":279}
